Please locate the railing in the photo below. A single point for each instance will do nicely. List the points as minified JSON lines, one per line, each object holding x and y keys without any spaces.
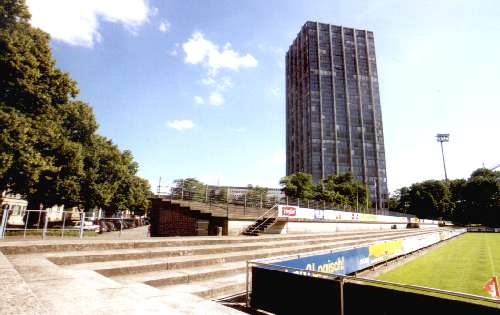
{"x":222,"y":197}
{"x":264,"y":218}
{"x":354,"y":279}
{"x":63,"y":222}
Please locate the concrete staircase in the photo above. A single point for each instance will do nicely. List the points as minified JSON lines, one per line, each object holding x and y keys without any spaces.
{"x":259,"y":227}
{"x":209,"y":267}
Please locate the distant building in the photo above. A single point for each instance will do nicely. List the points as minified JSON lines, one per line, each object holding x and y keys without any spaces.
{"x":240,"y":192}
{"x":16,"y":206}
{"x":333,"y":114}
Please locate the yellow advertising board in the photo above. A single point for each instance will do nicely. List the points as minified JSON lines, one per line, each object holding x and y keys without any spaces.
{"x":386,"y":249}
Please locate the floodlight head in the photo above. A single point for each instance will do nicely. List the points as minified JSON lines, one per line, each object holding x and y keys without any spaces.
{"x":443,"y":137}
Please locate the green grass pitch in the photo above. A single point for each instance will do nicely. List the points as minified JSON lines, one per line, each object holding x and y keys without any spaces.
{"x":463,"y":264}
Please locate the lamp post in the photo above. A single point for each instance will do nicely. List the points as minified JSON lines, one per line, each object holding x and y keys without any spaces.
{"x":443,"y":137}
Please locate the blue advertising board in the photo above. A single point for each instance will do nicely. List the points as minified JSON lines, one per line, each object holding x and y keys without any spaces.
{"x":340,"y":263}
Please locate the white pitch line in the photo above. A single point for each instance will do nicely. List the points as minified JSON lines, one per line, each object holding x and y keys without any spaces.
{"x":490,"y":255}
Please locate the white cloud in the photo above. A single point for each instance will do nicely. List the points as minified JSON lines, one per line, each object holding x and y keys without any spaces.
{"x":77,"y":22}
{"x":275,"y":91}
{"x":219,"y":84}
{"x":199,"y":100}
{"x":199,"y":50}
{"x":164,"y":26}
{"x":216,"y":98}
{"x":180,"y":124}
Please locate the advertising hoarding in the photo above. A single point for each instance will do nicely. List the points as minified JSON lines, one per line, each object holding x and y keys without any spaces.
{"x":342,"y":262}
{"x":296,"y":212}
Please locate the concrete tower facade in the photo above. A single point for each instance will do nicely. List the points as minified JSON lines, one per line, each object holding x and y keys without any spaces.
{"x":333,"y":113}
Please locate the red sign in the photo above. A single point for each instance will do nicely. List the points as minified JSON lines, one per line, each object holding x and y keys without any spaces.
{"x":492,"y":287}
{"x":289,"y":211}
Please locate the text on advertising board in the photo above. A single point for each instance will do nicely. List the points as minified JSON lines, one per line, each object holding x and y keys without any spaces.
{"x":289,"y":211}
{"x":341,"y":262}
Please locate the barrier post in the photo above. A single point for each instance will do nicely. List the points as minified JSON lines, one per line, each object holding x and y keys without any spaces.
{"x":247,"y":293}
{"x":341,"y":295}
{"x":121,"y":225}
{"x":3,"y":224}
{"x":45,"y":224}
{"x":82,"y":221}
{"x":26,"y":223}
{"x":182,"y":190}
{"x":64,"y":224}
{"x":227,"y":202}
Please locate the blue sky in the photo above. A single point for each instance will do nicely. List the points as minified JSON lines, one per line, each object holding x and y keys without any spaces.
{"x":197,"y":88}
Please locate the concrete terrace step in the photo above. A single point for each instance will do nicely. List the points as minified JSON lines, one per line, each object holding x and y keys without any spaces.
{"x":164,"y":278}
{"x":169,"y":277}
{"x":208,"y":284}
{"x":33,"y":247}
{"x":82,"y":257}
{"x":113,"y":268}
{"x":69,"y":292}
{"x":146,"y":253}
{"x":214,"y":288}
{"x":14,"y":288}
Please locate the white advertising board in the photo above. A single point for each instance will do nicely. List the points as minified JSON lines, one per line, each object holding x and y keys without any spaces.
{"x":286,"y":211}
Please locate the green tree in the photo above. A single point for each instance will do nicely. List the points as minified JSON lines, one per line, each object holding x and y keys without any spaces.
{"x":476,"y":200}
{"x":49,"y":149}
{"x":20,"y":162}
{"x":344,"y":189}
{"x":132,"y":192}
{"x":482,"y":197}
{"x":102,"y":160}
{"x":256,"y":195}
{"x":30,"y":82}
{"x":298,"y":185}
{"x":190,"y":189}
{"x":400,"y":200}
{"x":32,"y":90}
{"x":430,"y":199}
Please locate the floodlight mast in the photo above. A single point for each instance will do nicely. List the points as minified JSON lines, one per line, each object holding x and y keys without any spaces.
{"x":443,"y":137}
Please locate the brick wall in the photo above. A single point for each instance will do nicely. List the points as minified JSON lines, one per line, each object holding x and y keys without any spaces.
{"x":171,"y":220}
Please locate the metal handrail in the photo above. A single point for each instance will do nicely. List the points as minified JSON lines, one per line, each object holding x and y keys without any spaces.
{"x":202,"y":196}
{"x":262,"y":216}
{"x":43,"y":227}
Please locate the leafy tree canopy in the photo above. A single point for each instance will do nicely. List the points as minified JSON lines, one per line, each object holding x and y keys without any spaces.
{"x":475,"y":200}
{"x":49,"y":149}
{"x":298,"y":185}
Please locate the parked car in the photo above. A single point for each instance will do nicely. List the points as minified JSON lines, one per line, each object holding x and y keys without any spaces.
{"x":88,"y":226}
